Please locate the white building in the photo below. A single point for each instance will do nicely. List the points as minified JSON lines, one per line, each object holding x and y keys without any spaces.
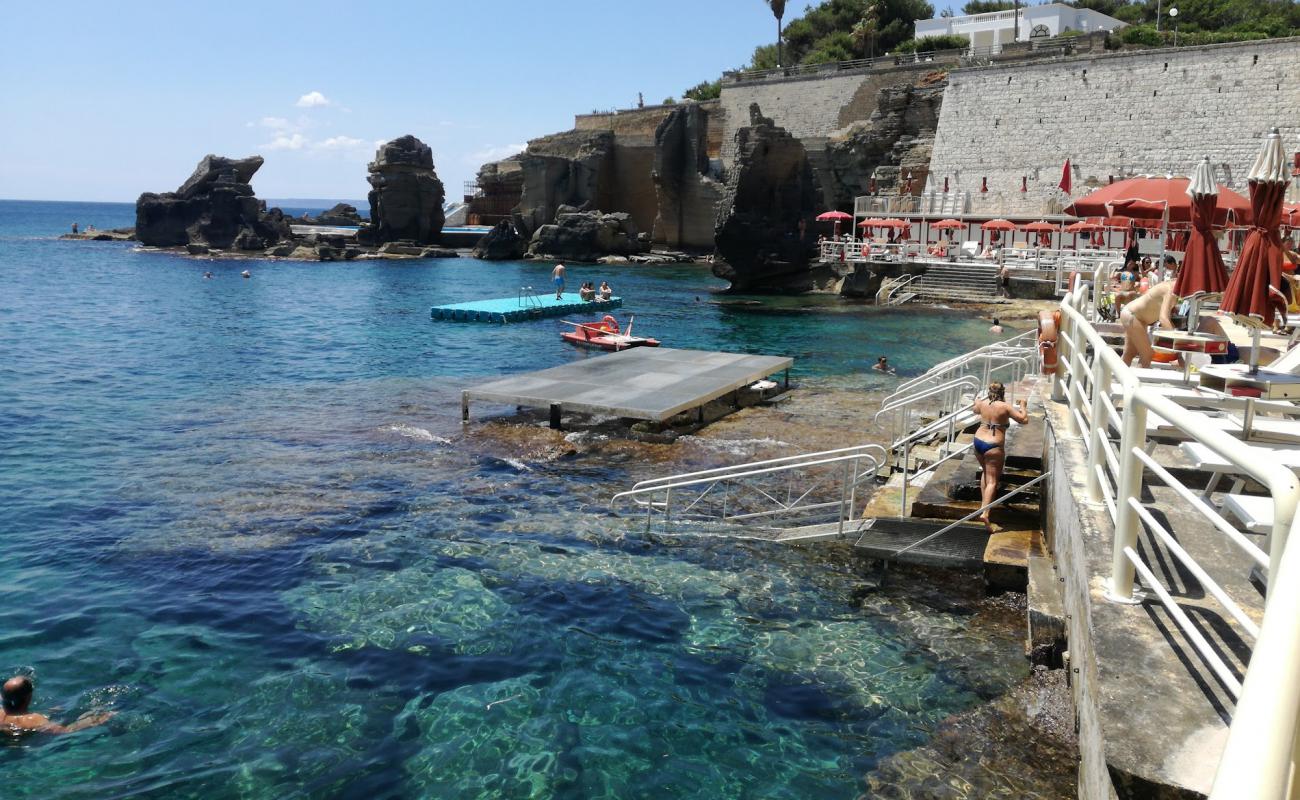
{"x":992,"y":30}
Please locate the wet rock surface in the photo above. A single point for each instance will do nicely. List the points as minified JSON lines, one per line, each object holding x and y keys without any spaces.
{"x":764,"y":232}
{"x":214,"y":209}
{"x":587,"y":236}
{"x":406,"y":196}
{"x":340,"y":214}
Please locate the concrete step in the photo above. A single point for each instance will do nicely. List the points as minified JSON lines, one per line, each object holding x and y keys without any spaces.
{"x":960,"y":548}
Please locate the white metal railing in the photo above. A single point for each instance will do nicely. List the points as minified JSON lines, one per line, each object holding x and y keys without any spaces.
{"x":528,"y":298}
{"x":1269,"y":701}
{"x":763,"y":490}
{"x":943,"y":398}
{"x":890,"y":288}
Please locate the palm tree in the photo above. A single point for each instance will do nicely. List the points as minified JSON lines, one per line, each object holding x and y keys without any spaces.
{"x":868,"y":28}
{"x":778,"y":11}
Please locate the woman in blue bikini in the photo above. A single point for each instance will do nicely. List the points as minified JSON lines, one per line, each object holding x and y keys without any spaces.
{"x":995,"y":415}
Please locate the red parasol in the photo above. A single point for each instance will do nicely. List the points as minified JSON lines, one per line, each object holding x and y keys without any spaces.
{"x":1203,"y":269}
{"x":1251,"y":290}
{"x":1149,"y":197}
{"x":948,"y":225}
{"x":1043,"y":229}
{"x":833,"y":216}
{"x":998,"y":225}
{"x":873,"y":222}
{"x":1083,"y":226}
{"x":897,"y":224}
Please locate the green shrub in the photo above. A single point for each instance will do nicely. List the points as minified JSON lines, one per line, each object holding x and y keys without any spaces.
{"x":704,"y":90}
{"x":928,"y":43}
{"x":1070,"y":34}
{"x":1140,"y":34}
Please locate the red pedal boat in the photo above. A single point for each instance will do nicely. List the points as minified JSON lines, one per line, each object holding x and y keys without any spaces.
{"x":605,"y":335}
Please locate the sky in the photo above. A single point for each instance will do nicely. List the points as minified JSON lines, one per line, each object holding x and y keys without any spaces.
{"x":105,"y":101}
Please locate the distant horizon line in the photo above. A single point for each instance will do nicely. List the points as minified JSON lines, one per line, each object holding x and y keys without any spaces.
{"x":269,"y":201}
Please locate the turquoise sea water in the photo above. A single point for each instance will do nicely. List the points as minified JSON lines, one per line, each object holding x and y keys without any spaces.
{"x":243,"y":514}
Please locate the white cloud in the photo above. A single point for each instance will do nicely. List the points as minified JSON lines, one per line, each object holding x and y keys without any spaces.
{"x":283,"y":141}
{"x":275,"y":123}
{"x":494,"y":153}
{"x":312,"y":100}
{"x":339,"y":143}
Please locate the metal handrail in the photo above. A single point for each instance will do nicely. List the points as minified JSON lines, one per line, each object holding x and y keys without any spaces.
{"x":972,"y":515}
{"x":1261,"y":755}
{"x":896,"y":284}
{"x":727,"y":470}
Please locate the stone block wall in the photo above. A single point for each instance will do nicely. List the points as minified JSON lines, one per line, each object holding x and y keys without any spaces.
{"x":1120,"y":114}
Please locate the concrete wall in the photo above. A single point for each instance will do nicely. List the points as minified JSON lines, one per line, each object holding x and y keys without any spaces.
{"x":1143,"y":112}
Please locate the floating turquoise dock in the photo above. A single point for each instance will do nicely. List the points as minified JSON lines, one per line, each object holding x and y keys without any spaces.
{"x":523,"y":307}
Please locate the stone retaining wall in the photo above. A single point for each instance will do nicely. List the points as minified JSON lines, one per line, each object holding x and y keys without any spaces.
{"x":1120,"y":114}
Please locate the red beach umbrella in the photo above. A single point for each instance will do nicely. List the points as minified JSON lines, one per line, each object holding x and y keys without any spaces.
{"x":998,"y":225}
{"x":873,"y":222}
{"x":1149,"y":197}
{"x":1083,"y":226}
{"x":1203,"y":269}
{"x":948,"y":225}
{"x":1043,"y":229}
{"x":835,"y":216}
{"x":1251,"y":289}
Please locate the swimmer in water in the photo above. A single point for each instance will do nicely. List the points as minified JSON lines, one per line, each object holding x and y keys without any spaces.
{"x":207,"y":276}
{"x":246,"y":274}
{"x":16,"y":716}
{"x":882,"y":365}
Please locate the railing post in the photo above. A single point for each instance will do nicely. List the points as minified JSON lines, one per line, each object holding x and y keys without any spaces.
{"x":844,"y":494}
{"x":1100,"y":422}
{"x":1120,"y":587}
{"x":902,"y":512}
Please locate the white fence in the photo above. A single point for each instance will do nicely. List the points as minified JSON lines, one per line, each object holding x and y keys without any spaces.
{"x":1260,"y":754}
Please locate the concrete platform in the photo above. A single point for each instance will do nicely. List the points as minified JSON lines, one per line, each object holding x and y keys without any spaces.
{"x":516,"y":309}
{"x":648,"y":383}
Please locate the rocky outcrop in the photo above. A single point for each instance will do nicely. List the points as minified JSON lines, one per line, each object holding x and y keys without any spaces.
{"x":764,"y":232}
{"x":569,"y":169}
{"x":406,"y":196}
{"x":340,"y":214}
{"x":883,"y":150}
{"x":687,"y":196}
{"x":215,"y":209}
{"x":587,"y":236}
{"x":502,"y":243}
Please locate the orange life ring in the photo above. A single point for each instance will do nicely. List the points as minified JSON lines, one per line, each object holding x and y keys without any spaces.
{"x":1049,"y":325}
{"x":609,"y":324}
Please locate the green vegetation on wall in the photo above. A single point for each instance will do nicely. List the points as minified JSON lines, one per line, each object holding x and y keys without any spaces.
{"x":843,"y":30}
{"x":928,"y":44}
{"x":1201,"y":21}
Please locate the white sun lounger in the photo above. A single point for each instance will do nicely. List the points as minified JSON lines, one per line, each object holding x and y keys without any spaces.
{"x":1203,"y":458}
{"x":1254,"y":511}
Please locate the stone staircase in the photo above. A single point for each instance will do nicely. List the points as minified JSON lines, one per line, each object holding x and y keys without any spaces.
{"x":960,"y":280}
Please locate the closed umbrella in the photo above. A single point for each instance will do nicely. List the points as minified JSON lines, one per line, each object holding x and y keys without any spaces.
{"x":1203,"y":271}
{"x":1252,"y":291}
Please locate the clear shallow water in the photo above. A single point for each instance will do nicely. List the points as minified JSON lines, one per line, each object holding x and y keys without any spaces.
{"x":243,"y":514}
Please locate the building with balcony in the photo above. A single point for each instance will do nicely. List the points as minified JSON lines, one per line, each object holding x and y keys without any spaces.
{"x":988,"y":32}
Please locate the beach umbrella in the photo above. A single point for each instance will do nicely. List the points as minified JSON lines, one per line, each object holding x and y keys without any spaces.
{"x":1083,"y":226}
{"x":998,"y":225}
{"x":1043,"y":229}
{"x":1150,"y":197}
{"x":948,"y":225}
{"x":836,"y":217}
{"x":1251,"y":293}
{"x":1203,"y":270}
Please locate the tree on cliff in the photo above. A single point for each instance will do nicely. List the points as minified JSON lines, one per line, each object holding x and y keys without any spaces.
{"x":825,"y":32}
{"x":986,"y":6}
{"x":778,"y":11}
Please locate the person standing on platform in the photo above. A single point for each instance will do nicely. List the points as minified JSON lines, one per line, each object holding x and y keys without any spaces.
{"x":557,"y":277}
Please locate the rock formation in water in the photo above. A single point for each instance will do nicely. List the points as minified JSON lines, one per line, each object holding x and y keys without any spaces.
{"x":406,"y":196}
{"x":567,"y":169}
{"x":340,"y":214}
{"x":895,"y":141}
{"x":214,"y":209}
{"x":687,"y":197}
{"x":587,"y":236}
{"x":502,"y":243}
{"x":764,"y":233}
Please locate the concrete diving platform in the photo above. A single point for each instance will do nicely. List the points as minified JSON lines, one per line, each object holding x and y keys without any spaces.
{"x":522,"y":307}
{"x":646,"y":383}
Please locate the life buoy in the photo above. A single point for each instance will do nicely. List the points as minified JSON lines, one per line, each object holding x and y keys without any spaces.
{"x":1049,"y":325}
{"x":608,"y":323}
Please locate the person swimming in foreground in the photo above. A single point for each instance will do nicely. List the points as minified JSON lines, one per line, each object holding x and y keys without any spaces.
{"x":15,"y":713}
{"x":882,"y":365}
{"x":995,"y":415}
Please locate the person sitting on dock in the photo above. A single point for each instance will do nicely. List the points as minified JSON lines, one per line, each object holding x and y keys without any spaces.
{"x":605,"y":291}
{"x":587,"y":292}
{"x":17,"y":716}
{"x":557,"y":277}
{"x":995,"y":415}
